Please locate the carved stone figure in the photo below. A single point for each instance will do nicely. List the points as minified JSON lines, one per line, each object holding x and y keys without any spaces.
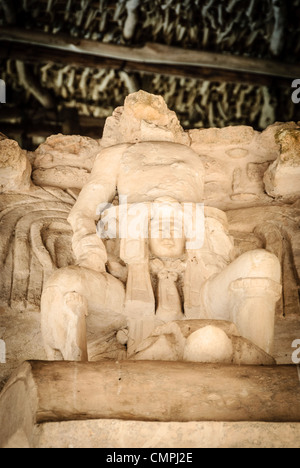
{"x":81,"y":301}
{"x":180,"y":242}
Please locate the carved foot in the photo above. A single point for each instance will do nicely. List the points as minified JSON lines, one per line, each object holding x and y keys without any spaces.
{"x":253,"y":309}
{"x":76,"y":303}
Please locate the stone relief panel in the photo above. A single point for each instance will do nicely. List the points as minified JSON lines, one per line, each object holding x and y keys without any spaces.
{"x":146,"y":169}
{"x":48,"y":237}
{"x":275,"y":229}
{"x":35,"y":240}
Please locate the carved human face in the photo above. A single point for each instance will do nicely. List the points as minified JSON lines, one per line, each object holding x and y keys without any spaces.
{"x":167,"y":241}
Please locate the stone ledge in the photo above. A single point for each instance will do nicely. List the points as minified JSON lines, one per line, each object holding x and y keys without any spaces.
{"x":149,"y":391}
{"x":113,"y":434}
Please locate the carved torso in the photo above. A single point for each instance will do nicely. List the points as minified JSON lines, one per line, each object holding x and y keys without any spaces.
{"x":156,"y":169}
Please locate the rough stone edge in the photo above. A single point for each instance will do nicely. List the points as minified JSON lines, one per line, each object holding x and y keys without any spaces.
{"x":103,"y":433}
{"x":18,"y":408}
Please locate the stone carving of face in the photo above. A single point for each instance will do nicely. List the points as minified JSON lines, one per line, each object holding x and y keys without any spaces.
{"x":171,"y":247}
{"x":167,"y":239}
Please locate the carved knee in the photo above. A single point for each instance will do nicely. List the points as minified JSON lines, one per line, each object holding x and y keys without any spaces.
{"x":62,"y":277}
{"x":256,"y":287}
{"x":262,"y":264}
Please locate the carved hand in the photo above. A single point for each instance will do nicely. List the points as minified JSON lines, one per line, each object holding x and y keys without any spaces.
{"x":90,"y":252}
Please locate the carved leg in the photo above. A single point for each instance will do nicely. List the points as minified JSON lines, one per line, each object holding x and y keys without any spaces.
{"x":53,"y":333}
{"x":64,"y":325}
{"x":246,"y":293}
{"x":70,"y":295}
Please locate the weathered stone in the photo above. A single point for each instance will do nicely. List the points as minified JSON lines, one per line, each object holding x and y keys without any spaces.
{"x":201,"y":341}
{"x":64,"y":161}
{"x":282,"y":178}
{"x":144,"y":117}
{"x":114,"y":434}
{"x":15,"y":169}
{"x":152,"y":298}
{"x":183,"y":392}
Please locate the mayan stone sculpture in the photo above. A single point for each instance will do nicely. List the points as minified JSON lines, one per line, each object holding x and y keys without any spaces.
{"x":159,"y":292}
{"x":193,"y":281}
{"x":171,"y":258}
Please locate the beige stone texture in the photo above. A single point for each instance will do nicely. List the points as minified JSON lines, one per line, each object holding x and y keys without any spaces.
{"x":145,"y":172}
{"x":282,"y":178}
{"x":15,"y":169}
{"x":21,"y":333}
{"x":144,"y":117}
{"x":235,"y":160}
{"x":201,"y":341}
{"x":64,"y":161}
{"x":114,"y":434}
{"x":185,"y":392}
{"x":116,"y":299}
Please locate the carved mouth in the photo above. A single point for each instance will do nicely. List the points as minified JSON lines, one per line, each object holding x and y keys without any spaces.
{"x":167,"y":242}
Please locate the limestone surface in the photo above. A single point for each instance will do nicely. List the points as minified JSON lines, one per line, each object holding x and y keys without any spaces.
{"x":73,"y":287}
{"x":282,"y":178}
